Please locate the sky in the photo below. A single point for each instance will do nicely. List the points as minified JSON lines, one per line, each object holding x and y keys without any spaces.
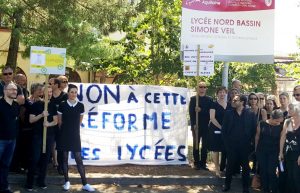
{"x":287,"y":27}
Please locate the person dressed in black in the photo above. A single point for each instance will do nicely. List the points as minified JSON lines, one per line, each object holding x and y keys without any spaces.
{"x":9,"y":113}
{"x":290,"y":149}
{"x":203,"y":120}
{"x":58,"y":96}
{"x":238,"y":131}
{"x":217,"y":112}
{"x":70,"y":115}
{"x":267,"y":141}
{"x":36,"y":116}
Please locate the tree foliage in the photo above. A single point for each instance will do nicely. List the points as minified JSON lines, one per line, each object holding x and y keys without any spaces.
{"x":149,"y":52}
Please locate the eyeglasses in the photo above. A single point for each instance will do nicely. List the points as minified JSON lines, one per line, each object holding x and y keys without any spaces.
{"x":7,"y":73}
{"x":235,"y":100}
{"x":252,"y":98}
{"x":202,"y":87}
{"x":296,"y":95}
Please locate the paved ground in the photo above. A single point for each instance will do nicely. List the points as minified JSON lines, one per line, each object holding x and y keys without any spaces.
{"x":199,"y":181}
{"x":135,"y":178}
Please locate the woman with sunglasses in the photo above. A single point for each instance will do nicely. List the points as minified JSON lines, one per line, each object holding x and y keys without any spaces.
{"x":296,"y":93}
{"x":261,"y":115}
{"x":253,"y":102}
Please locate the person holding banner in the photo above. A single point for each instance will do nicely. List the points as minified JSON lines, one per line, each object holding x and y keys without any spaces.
{"x":39,"y":159}
{"x":9,"y":118}
{"x":70,"y":115}
{"x":200,"y":132}
{"x":238,"y":131}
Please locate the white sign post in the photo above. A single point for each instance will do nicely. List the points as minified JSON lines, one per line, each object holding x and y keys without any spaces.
{"x":47,"y":60}
{"x":192,"y":66}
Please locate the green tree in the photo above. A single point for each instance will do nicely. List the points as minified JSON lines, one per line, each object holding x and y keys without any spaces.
{"x":77,"y":25}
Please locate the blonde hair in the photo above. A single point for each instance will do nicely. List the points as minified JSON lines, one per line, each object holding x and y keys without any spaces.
{"x":295,"y":107}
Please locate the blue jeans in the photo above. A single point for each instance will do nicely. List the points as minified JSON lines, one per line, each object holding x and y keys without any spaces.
{"x":7,"y":148}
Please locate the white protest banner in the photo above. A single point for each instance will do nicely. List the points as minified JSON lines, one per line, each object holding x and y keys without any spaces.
{"x":190,"y":57}
{"x":133,"y":124}
{"x":47,"y":60}
{"x":240,"y":30}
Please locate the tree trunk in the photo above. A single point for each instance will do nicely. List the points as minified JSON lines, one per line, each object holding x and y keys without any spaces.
{"x":14,"y":40}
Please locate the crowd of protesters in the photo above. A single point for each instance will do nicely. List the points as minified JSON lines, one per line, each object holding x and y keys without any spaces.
{"x":248,"y":130}
{"x":235,"y":127}
{"x":21,"y":130}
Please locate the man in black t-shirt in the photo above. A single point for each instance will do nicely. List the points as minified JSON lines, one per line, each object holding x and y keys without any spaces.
{"x":9,"y":117}
{"x":58,"y":96}
{"x":204,"y":105}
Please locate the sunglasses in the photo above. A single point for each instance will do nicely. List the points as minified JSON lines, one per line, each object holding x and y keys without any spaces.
{"x":202,"y":87}
{"x":235,"y":101}
{"x":261,"y":99}
{"x":65,"y":81}
{"x":7,"y":73}
{"x":252,"y":98}
{"x":296,"y":95}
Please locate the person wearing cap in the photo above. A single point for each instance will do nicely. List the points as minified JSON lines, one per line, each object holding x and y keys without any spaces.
{"x":267,"y":141}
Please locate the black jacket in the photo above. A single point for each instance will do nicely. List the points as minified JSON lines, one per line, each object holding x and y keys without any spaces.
{"x":248,"y":125}
{"x":205,"y":103}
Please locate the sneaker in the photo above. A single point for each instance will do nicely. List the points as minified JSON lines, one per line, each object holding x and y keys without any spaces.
{"x":43,"y":186}
{"x":67,"y":186}
{"x":29,"y":188}
{"x":88,"y":188}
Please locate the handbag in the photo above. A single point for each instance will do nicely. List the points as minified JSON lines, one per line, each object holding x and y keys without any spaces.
{"x":256,"y":184}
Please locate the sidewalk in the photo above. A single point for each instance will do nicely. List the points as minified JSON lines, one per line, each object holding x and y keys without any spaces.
{"x":137,"y":179}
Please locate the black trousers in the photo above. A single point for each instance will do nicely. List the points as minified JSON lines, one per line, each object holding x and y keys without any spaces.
{"x":223,"y":160}
{"x":268,"y":162}
{"x":293,"y":174}
{"x":38,"y":159}
{"x":203,"y":136}
{"x":237,"y":154}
